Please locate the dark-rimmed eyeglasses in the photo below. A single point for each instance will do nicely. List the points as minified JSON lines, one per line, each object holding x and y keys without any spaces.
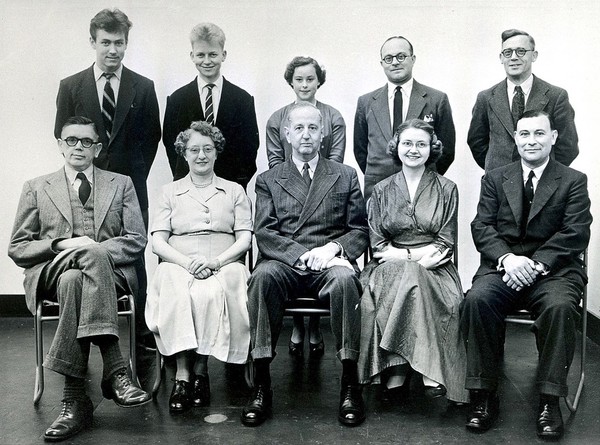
{"x":508,"y":52}
{"x":72,"y":141}
{"x":400,"y":57}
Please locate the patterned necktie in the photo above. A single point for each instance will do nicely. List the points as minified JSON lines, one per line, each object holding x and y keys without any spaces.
{"x":108,"y":105}
{"x":209,"y":114}
{"x":397,"y":109}
{"x":527,"y":200}
{"x":518,"y":104}
{"x":84,"y":188}
{"x":306,"y":174}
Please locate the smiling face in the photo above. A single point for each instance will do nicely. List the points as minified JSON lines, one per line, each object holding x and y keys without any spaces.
{"x":414,"y":148}
{"x":304,"y":132}
{"x":534,"y":139}
{"x":305,"y":83}
{"x":110,"y":49}
{"x":397,"y":72}
{"x":78,"y":157}
{"x":518,"y":69}
{"x":200,"y":154}
{"x":208,"y":57}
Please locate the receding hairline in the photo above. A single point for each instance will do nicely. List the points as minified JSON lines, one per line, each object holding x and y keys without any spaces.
{"x":389,"y":39}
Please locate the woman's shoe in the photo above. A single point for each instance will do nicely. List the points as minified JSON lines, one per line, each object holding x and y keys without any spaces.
{"x":180,"y":397}
{"x":316,"y":350}
{"x":296,"y":349}
{"x":200,"y":391}
{"x":433,"y":392}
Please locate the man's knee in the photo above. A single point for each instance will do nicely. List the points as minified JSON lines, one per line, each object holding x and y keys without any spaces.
{"x":95,"y":252}
{"x":342,"y":282}
{"x":69,"y":279}
{"x":267,"y":272}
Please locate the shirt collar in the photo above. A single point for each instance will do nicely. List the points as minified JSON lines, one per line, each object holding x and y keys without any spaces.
{"x":217,"y":83}
{"x":72,"y":174}
{"x":406,"y":88}
{"x":300,"y":163}
{"x":538,"y":171}
{"x":98,"y":72}
{"x":525,"y":86}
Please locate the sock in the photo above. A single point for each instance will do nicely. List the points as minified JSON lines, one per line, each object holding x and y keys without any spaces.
{"x":262,"y":373}
{"x":428,"y":382}
{"x":201,"y":365}
{"x":74,"y":388}
{"x":111,"y":356}
{"x":349,"y":372}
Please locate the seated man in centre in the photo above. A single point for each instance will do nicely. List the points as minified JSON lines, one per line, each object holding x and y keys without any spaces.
{"x":310,"y":228}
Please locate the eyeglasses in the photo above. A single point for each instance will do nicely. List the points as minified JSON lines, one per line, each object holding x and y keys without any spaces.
{"x":207,"y":149}
{"x":85,"y":142}
{"x":400,"y":57}
{"x":508,"y":52}
{"x":409,"y":144}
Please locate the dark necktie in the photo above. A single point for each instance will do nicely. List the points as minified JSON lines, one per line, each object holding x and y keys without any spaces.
{"x":108,"y":105}
{"x":397,"y":109}
{"x":84,"y":188}
{"x":209,"y":114}
{"x":527,"y":200}
{"x":518,"y":104}
{"x":306,"y":175}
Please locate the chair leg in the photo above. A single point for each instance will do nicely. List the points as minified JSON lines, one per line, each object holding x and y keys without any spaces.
{"x":572,"y":405}
{"x":160,"y":364}
{"x":132,"y":342}
{"x":39,"y":356}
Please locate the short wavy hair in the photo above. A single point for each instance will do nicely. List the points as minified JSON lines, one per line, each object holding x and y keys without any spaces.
{"x":435,"y":149}
{"x":299,"y":61}
{"x":205,"y":129}
{"x":111,"y":21}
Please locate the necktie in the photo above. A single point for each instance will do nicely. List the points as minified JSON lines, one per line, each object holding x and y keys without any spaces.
{"x":397,"y":109}
{"x":527,"y":199}
{"x":108,"y":105}
{"x":84,"y":188}
{"x":306,"y":175}
{"x":518,"y":104}
{"x":209,"y":115}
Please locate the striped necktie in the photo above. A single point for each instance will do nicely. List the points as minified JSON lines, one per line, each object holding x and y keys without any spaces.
{"x":209,"y":115}
{"x":108,"y":105}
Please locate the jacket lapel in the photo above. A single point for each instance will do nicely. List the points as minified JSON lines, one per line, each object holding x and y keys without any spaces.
{"x":537,"y":99}
{"x":546,"y":187}
{"x":58,"y":192}
{"x":500,"y":106}
{"x":513,"y":190}
{"x":125,"y":100}
{"x":225,"y":110}
{"x":381,"y":112}
{"x":322,"y":181}
{"x":89,"y":95}
{"x":417,"y":101}
{"x":104,"y":192}
{"x":292,"y":182}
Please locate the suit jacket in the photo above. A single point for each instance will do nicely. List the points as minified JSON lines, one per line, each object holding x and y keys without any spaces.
{"x":136,"y":127}
{"x":289,"y":222}
{"x":373,"y":130}
{"x":491,"y":134}
{"x":44,"y":216}
{"x":558,"y":225}
{"x":236,"y":118}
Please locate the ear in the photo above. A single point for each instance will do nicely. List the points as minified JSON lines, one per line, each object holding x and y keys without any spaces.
{"x":554,"y":136}
{"x":98,"y":149}
{"x":287,"y":134}
{"x":92,"y":43}
{"x":224,"y":55}
{"x":534,"y":56}
{"x":192,"y":55}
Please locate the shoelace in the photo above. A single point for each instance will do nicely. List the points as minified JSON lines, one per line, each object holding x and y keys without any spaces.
{"x":124,"y":380}
{"x":66,"y":408}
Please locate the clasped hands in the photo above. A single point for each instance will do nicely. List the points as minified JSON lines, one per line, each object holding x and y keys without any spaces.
{"x":322,"y":258}
{"x":429,"y":256}
{"x":519,"y":271}
{"x":202,"y":268}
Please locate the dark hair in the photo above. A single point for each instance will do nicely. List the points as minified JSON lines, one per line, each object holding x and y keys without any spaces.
{"x":79,"y":120}
{"x":110,"y":21}
{"x":435,"y":150}
{"x":207,"y":32}
{"x":517,"y":32}
{"x":205,"y":129}
{"x":537,"y":113}
{"x":397,"y":37}
{"x":299,"y":61}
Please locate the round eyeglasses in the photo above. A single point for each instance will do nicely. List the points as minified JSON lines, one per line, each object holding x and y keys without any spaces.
{"x":400,"y":57}
{"x":85,"y":142}
{"x":508,"y":52}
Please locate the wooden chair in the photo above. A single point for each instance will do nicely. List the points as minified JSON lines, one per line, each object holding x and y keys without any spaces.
{"x":47,"y":310}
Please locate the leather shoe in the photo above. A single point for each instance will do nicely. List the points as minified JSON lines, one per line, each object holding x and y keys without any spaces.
{"x":123,"y":391}
{"x":352,"y":407}
{"x":258,"y":407}
{"x":200,"y":391}
{"x":179,"y":401}
{"x":296,"y":349}
{"x":549,"y":423}
{"x":74,"y":416}
{"x":484,"y":412}
{"x":433,"y":392}
{"x":316,"y":350}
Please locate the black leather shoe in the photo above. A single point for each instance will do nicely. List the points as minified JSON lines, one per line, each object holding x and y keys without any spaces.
{"x":433,"y":392}
{"x":352,"y":407}
{"x":258,"y":407}
{"x":316,"y":350}
{"x":550,"y":423}
{"x":179,"y":401}
{"x":74,"y":416}
{"x":296,"y":349}
{"x":200,"y":391}
{"x":123,"y":391}
{"x":485,"y":407}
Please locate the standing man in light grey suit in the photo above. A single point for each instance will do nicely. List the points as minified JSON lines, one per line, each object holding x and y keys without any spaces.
{"x":498,"y":108}
{"x":310,"y":228}
{"x":379,"y":113}
{"x":77,"y":234}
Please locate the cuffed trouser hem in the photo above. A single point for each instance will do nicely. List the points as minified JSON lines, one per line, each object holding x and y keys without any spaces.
{"x":96,"y":329}
{"x":347,"y":354}
{"x":478,"y":383}
{"x":263,"y":352}
{"x":65,"y":368}
{"x":552,"y":389}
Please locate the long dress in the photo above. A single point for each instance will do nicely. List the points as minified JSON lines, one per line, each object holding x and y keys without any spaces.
{"x":208,"y":316}
{"x":411,"y":314}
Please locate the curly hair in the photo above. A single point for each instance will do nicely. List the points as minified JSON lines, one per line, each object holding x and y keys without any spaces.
{"x":299,"y":61}
{"x":205,"y":129}
{"x":435,"y":149}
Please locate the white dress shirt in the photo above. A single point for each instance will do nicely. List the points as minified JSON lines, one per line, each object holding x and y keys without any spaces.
{"x":216,"y":94}
{"x":525,"y":86}
{"x":406,"y":89}
{"x":115,"y":82}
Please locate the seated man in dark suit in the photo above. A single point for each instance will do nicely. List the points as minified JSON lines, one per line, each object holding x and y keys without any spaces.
{"x":310,"y":228}
{"x":533,"y":222}
{"x":77,"y":233}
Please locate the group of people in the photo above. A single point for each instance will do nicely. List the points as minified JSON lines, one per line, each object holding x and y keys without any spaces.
{"x":80,"y":232}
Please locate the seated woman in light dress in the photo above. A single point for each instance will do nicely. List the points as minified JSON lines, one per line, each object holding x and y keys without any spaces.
{"x":412,"y":292}
{"x":306,"y":76}
{"x":196,"y":305}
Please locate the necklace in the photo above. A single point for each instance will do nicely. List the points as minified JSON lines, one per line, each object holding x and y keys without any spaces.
{"x":201,"y":186}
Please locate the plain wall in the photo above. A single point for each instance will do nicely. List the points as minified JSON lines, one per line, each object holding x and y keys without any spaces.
{"x":456,"y":44}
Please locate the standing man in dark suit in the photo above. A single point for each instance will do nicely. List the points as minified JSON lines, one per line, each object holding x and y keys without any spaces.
{"x":498,"y":109}
{"x":123,"y":106}
{"x":379,"y":113}
{"x":532,"y":223}
{"x":77,"y":234}
{"x":212,"y":98}
{"x":310,"y":227}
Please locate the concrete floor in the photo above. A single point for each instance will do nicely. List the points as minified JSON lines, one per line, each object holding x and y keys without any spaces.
{"x":305,"y":403}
